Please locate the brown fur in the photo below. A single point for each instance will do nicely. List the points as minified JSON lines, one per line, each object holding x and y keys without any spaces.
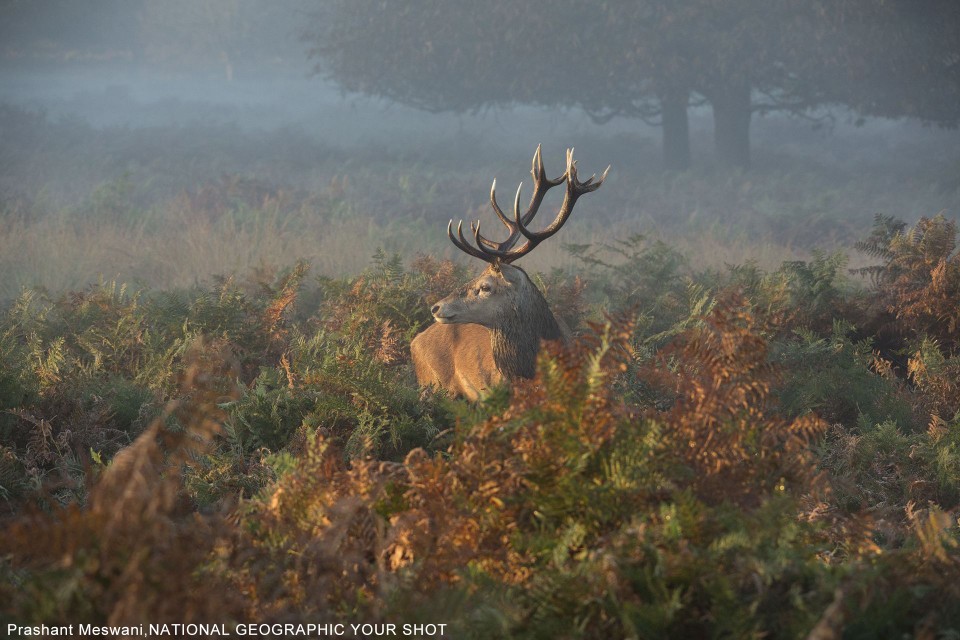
{"x":508,"y":315}
{"x":484,"y":337}
{"x":455,"y":357}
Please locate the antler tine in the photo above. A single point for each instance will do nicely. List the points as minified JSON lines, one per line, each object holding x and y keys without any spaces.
{"x":493,"y":252}
{"x":486,"y":246}
{"x":574,"y":190}
{"x":541,"y":184}
{"x":496,"y":207}
{"x":516,"y":202}
{"x":582,"y":187}
{"x":465,"y":246}
{"x":481,"y":241}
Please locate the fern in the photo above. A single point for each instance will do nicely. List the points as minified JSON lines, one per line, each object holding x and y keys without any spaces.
{"x":669,"y":475}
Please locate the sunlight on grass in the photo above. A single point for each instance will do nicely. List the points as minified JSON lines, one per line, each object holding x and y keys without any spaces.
{"x":181,"y":249}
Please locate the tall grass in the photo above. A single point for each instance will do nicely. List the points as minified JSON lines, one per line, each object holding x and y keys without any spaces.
{"x":182,"y":247}
{"x":173,"y":206}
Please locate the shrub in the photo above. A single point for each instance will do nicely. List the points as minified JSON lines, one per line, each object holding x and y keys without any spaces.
{"x":840,"y":378}
{"x":919,"y":279}
{"x":131,"y":553}
{"x":670,"y":474}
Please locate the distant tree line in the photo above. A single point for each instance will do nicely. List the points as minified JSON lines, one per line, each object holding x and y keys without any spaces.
{"x":653,"y":59}
{"x":646,"y":59}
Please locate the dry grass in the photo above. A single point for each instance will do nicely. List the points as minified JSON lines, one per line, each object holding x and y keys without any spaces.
{"x":59,"y":254}
{"x":180,"y":248}
{"x":171,"y":206}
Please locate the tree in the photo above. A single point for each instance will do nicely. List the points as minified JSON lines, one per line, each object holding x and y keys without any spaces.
{"x":464,"y":55}
{"x":743,"y":57}
{"x":895,"y":59}
{"x":889,"y":58}
{"x":649,"y":58}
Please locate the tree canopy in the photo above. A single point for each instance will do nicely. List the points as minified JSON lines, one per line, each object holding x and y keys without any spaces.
{"x":650,"y":58}
{"x":899,"y":59}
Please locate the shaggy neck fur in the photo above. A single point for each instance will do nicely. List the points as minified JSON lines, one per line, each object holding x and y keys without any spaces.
{"x":516,"y":340}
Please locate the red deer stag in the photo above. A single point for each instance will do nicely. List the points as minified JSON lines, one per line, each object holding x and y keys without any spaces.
{"x":492,"y":328}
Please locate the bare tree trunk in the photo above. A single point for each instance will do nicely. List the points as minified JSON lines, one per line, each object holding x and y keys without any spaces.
{"x":731,"y":124}
{"x":676,"y":130}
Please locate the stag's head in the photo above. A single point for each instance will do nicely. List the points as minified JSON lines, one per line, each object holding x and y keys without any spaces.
{"x":503,"y":289}
{"x":487,"y":299}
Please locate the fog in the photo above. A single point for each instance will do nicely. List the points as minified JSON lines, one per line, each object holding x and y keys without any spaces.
{"x":128,"y":95}
{"x":113,"y":111}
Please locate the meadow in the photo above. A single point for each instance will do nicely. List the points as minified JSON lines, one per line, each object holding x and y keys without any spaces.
{"x":208,"y":412}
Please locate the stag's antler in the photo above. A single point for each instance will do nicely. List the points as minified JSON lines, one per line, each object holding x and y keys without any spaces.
{"x":496,"y":252}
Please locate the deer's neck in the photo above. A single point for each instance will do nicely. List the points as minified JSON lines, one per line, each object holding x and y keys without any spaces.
{"x":517,"y":336}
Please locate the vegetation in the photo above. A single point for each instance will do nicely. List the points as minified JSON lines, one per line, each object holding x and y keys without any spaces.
{"x":653,"y":59}
{"x":736,"y":453}
{"x":755,"y":433}
{"x":162,"y":207}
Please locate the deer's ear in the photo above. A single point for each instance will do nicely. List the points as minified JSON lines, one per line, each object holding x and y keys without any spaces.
{"x":513,"y":275}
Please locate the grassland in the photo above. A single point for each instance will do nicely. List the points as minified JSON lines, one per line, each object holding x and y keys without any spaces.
{"x":208,"y":413}
{"x":174,"y":206}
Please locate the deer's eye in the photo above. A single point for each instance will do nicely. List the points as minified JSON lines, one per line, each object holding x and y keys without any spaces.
{"x":485,"y":288}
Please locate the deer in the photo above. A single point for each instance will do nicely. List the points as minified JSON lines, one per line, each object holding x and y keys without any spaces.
{"x":492,"y":329}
